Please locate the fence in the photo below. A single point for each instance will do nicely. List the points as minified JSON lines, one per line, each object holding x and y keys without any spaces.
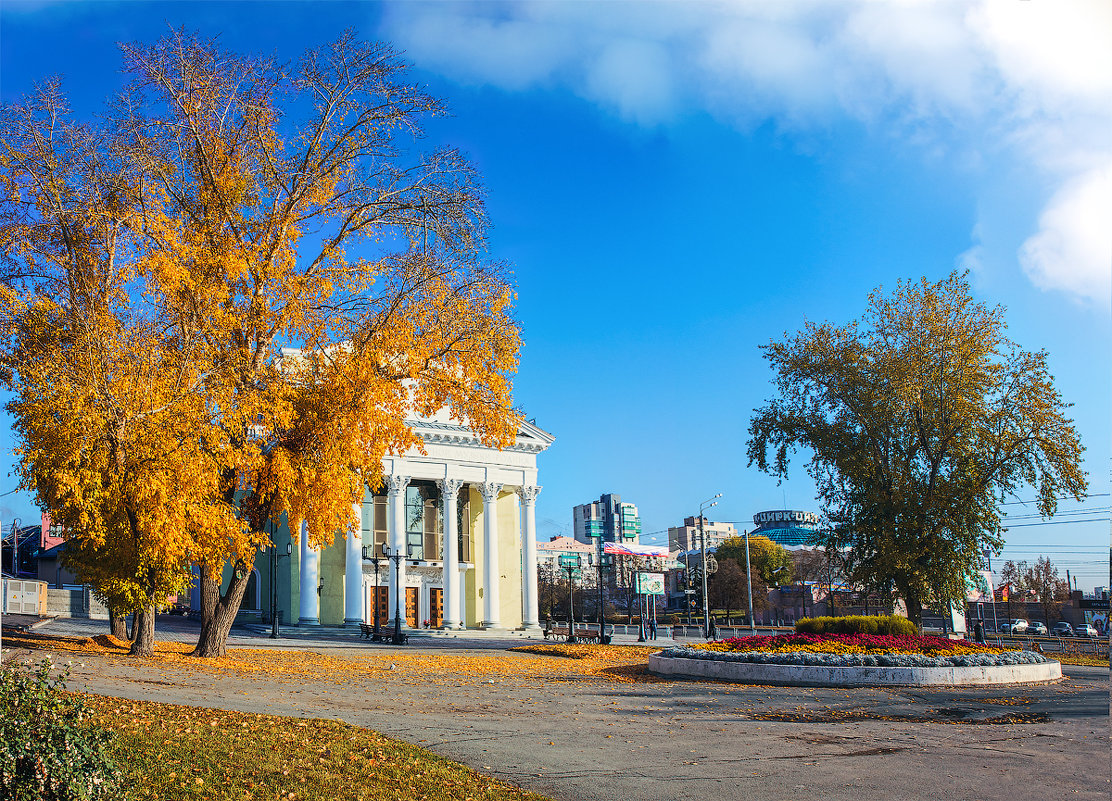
{"x":74,"y":601}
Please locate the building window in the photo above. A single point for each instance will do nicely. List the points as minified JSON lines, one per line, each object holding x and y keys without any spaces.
{"x":423,"y":523}
{"x":463,"y":526}
{"x":376,"y":523}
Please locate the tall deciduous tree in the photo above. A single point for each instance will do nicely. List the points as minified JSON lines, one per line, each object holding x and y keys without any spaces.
{"x":1013,"y":584}
{"x":770,"y":561}
{"x":808,"y":565}
{"x":1051,"y":588}
{"x":106,"y":410}
{"x":273,"y":207}
{"x":728,"y":589}
{"x":919,"y":418}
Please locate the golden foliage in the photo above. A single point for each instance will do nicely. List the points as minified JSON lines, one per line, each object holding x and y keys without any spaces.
{"x":226,"y":303}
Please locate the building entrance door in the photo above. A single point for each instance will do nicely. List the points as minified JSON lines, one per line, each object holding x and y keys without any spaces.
{"x":381,"y":599}
{"x":411,"y":607}
{"x":436,"y":607}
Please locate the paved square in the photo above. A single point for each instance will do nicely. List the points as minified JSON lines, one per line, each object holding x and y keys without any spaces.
{"x":591,"y":738}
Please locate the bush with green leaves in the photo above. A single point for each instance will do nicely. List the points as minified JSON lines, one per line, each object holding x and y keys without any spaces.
{"x":857,"y":624}
{"x":48,"y":749}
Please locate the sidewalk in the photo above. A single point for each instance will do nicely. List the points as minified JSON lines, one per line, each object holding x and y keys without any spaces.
{"x":257,"y":635}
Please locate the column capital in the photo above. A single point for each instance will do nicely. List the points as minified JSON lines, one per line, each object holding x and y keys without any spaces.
{"x":490,"y":490}
{"x":450,"y":486}
{"x":528,"y":494}
{"x":396,"y":484}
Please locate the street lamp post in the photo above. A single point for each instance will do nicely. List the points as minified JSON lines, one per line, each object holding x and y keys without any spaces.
{"x":707,"y":504}
{"x":602,"y":567}
{"x":396,"y":558}
{"x":640,"y":608}
{"x":571,"y":562}
{"x":376,"y":561}
{"x":274,"y":557}
{"x":749,"y":582}
{"x":776,"y":610}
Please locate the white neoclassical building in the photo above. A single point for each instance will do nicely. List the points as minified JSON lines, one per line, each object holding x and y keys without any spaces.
{"x":463,"y":515}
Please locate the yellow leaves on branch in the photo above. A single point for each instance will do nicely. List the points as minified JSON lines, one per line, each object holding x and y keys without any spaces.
{"x":161,"y":269}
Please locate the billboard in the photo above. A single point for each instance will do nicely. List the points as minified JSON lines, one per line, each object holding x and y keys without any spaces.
{"x":633,"y":549}
{"x":650,"y":583}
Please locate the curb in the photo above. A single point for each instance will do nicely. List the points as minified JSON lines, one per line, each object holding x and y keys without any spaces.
{"x":858,"y":676}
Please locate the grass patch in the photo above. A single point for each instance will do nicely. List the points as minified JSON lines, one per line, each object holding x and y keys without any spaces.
{"x":194,"y":754}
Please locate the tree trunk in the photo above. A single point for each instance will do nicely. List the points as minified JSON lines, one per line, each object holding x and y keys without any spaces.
{"x":914,"y":603}
{"x":143,"y":644}
{"x":117,"y":624}
{"x":218,"y":612}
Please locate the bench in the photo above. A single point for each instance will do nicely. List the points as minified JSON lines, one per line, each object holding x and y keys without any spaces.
{"x":382,"y":636}
{"x":580,"y":634}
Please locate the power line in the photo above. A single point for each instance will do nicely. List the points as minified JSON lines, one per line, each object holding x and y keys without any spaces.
{"x":1056,"y":523}
{"x":1063,"y":498}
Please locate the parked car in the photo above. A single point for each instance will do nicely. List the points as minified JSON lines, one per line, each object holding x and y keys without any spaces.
{"x":1017,"y":626}
{"x":1062,"y":629}
{"x":1084,"y":630}
{"x":1037,"y":628}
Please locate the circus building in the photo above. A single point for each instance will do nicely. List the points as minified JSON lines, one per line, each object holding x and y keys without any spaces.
{"x":787,"y":527}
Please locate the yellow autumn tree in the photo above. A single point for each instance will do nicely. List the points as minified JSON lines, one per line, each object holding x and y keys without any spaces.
{"x":321,"y":281}
{"x":108,"y":414}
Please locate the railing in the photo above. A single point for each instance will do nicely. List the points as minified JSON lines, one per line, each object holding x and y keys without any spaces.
{"x":1097,"y":646}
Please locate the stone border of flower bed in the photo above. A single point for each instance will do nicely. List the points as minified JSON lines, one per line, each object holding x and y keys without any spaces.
{"x":852,"y":676}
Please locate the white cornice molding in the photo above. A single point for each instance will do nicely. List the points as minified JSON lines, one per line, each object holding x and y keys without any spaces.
{"x":530,"y":439}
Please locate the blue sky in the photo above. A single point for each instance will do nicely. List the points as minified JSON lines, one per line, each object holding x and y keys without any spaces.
{"x":676,"y":184}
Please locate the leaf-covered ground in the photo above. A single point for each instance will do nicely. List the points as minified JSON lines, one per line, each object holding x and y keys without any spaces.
{"x":190,"y":753}
{"x":559,"y":662}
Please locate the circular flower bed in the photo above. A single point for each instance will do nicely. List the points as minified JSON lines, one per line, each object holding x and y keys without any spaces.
{"x":851,"y":650}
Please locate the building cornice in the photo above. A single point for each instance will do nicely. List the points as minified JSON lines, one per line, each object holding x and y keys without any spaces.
{"x":530,"y":439}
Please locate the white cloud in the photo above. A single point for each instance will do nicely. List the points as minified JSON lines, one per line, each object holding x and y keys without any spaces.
{"x":1072,"y":250}
{"x":1028,"y":80}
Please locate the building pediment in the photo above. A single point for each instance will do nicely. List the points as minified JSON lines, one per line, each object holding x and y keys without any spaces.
{"x":530,"y":437}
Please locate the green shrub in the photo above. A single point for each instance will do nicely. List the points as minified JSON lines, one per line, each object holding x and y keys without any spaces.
{"x":857,"y":624}
{"x":47,"y":751}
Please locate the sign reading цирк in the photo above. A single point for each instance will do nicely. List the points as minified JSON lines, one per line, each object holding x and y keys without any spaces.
{"x":787,"y":516}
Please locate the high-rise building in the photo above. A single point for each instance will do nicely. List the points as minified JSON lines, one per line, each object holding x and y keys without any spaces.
{"x":686,"y":537}
{"x":608,"y":518}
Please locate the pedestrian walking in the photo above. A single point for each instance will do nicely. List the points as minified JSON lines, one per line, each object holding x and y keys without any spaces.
{"x":979,"y":632}
{"x":652,"y":629}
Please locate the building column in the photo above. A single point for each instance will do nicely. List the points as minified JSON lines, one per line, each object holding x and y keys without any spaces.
{"x":530,"y":617}
{"x":353,"y":572}
{"x":449,"y":490}
{"x":309,"y":614}
{"x":395,"y":535}
{"x":492,"y":614}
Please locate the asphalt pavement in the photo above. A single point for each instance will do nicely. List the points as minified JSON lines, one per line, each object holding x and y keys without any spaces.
{"x":681,"y":740}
